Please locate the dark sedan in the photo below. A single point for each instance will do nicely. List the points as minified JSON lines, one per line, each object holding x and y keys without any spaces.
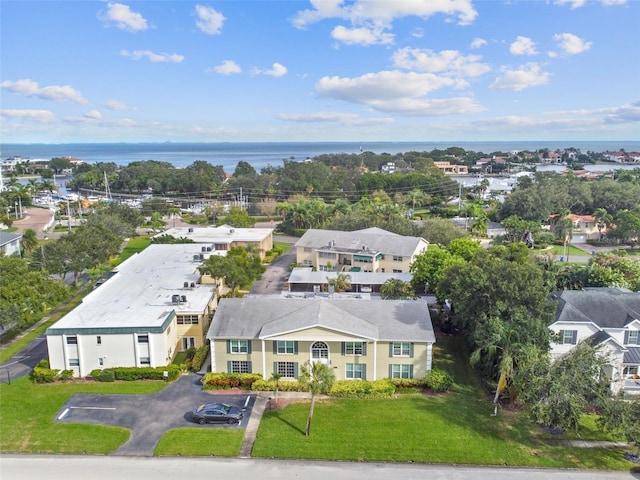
{"x":217,"y":412}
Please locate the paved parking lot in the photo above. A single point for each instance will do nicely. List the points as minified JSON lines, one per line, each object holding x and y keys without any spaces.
{"x":150,"y":416}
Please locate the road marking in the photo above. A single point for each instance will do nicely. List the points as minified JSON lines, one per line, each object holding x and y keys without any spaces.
{"x":16,"y":362}
{"x":94,"y":408}
{"x":62,"y":415}
{"x":246,"y":402}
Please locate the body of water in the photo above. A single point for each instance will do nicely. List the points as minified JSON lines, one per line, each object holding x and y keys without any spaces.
{"x":260,"y":155}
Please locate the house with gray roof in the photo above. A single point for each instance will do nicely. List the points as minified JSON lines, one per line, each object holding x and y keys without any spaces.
{"x":359,"y":339}
{"x":608,"y":318}
{"x":368,"y":250}
{"x":10,"y":243}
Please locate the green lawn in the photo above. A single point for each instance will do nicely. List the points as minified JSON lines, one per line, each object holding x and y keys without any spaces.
{"x":559,"y":250}
{"x":27,"y":414}
{"x":219,"y":442}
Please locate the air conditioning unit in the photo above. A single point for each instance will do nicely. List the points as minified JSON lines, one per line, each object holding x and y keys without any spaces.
{"x":183,"y":298}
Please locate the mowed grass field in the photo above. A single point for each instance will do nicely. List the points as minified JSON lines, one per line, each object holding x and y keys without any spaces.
{"x":450,"y":428}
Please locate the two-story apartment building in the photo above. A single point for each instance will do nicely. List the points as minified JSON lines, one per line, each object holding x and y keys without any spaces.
{"x":153,"y":305}
{"x":222,"y":238}
{"x":368,"y":250}
{"x":359,"y":339}
{"x":609,"y":318}
{"x":585,"y":227}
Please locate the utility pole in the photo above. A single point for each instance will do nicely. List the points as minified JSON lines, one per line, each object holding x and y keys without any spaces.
{"x":68,"y":215}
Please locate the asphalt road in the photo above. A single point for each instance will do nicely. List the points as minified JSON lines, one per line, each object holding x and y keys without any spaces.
{"x":150,"y":416}
{"x":24,"y":361}
{"x":274,"y":280}
{"x":61,"y":467}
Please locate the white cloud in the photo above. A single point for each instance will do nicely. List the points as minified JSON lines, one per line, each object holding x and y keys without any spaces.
{"x":526,"y":76}
{"x":611,"y":3}
{"x":93,"y":114}
{"x":209,"y":20}
{"x":153,"y":57}
{"x":447,"y":61}
{"x":57,"y":93}
{"x":123,"y":17}
{"x":42,"y":116}
{"x":572,"y":3}
{"x":369,"y":19}
{"x":227,"y":67}
{"x":571,"y":44}
{"x":362,"y":36}
{"x":624,"y":114}
{"x":523,"y":46}
{"x":396,"y":92}
{"x":117,"y":105}
{"x":276,"y":70}
{"x":478,"y":43}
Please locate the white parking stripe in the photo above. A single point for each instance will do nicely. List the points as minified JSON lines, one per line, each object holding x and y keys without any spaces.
{"x":62,"y":415}
{"x":246,"y":402}
{"x":94,"y":408}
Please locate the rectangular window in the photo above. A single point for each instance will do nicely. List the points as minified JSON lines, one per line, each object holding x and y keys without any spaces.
{"x":143,"y":338}
{"x":353,"y":348}
{"x":330,"y":255}
{"x":355,"y":371}
{"x":285,"y":347}
{"x":145,"y":360}
{"x":101,"y":362}
{"x":99,"y":340}
{"x":188,"y":342}
{"x":72,"y":340}
{"x":401,"y":349}
{"x":397,"y":258}
{"x":630,"y":370}
{"x":323,"y":268}
{"x":240,"y":367}
{"x":238,"y":346}
{"x":307,"y":262}
{"x":634,"y":337}
{"x":401,"y":371}
{"x":74,"y":362}
{"x":286,"y":369}
{"x":569,"y":337}
{"x":187,"y":320}
{"x":397,"y":270}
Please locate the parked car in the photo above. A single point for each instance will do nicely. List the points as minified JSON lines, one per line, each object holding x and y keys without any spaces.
{"x":217,"y":412}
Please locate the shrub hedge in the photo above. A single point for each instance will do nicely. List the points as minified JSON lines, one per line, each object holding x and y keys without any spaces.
{"x":439,"y":380}
{"x":283,"y":386}
{"x":50,"y":375}
{"x":199,"y":357}
{"x":225,"y":381}
{"x":129,"y":374}
{"x":362,"y":389}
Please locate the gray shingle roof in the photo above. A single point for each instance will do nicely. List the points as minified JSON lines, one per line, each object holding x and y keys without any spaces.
{"x":605,"y":307}
{"x":632,"y":356}
{"x":370,"y":239}
{"x":255,"y":317}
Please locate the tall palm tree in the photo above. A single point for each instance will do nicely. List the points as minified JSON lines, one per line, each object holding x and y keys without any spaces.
{"x":603,"y":219}
{"x":29,"y":241}
{"x":341,"y":283}
{"x":318,"y":377}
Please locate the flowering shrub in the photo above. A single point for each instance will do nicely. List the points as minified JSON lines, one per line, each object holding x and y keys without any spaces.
{"x":362,"y":389}
{"x":225,"y":381}
{"x":283,"y":386}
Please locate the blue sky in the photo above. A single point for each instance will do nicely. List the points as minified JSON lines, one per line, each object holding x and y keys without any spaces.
{"x":321,"y":70}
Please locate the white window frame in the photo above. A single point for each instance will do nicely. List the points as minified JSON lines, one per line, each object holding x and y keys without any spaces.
{"x":239,"y":366}
{"x":74,"y":362}
{"x":144,"y":338}
{"x":636,"y":339}
{"x":239,"y":346}
{"x":354,"y":371}
{"x":351,"y":348}
{"x":399,"y":349}
{"x":282,"y":347}
{"x":189,"y":341}
{"x":286,"y":369}
{"x":400,"y":370}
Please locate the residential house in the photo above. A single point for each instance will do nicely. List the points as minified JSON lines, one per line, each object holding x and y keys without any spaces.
{"x":10,"y":243}
{"x":222,"y":238}
{"x":389,"y":167}
{"x":451,"y":169}
{"x":305,"y":279}
{"x":152,"y":306}
{"x":585,"y":227}
{"x":368,"y":250}
{"x":609,"y":318}
{"x":359,"y":339}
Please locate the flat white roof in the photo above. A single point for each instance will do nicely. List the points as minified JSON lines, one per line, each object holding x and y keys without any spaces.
{"x":141,"y":291}
{"x":222,"y":234}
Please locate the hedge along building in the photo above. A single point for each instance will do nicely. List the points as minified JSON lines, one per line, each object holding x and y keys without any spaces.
{"x":359,"y":339}
{"x":153,"y":305}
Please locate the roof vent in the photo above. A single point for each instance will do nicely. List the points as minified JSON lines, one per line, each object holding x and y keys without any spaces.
{"x":364,"y":247}
{"x":193,"y":285}
{"x":208,"y":249}
{"x":204,"y":249}
{"x":175,"y":299}
{"x":183,"y":298}
{"x":186,"y":285}
{"x":196,"y":257}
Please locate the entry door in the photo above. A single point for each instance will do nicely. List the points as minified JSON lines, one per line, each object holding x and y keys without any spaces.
{"x":320,"y":353}
{"x":188,"y":342}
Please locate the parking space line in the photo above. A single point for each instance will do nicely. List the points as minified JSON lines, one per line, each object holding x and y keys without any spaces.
{"x":94,"y":408}
{"x":246,"y":402}
{"x":62,"y":415}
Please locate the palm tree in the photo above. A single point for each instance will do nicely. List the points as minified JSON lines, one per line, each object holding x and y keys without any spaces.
{"x":341,"y":283}
{"x":395,"y":289}
{"x":275,"y":377}
{"x":319,"y":378}
{"x":29,"y":240}
{"x":603,"y":219}
{"x":564,"y":230}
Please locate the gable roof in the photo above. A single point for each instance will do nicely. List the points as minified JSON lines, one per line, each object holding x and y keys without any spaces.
{"x":604,"y":307}
{"x":259,"y":318}
{"x":369,"y":239}
{"x":6,"y":238}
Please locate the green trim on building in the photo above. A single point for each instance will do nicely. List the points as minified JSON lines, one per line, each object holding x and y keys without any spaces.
{"x":111,"y":330}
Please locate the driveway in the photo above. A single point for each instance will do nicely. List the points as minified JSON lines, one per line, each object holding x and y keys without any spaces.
{"x":274,"y":280}
{"x":149,"y":416}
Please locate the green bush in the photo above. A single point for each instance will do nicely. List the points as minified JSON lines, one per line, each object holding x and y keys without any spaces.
{"x":44,"y":375}
{"x":199,"y":357}
{"x":409,"y":383}
{"x":283,"y":386}
{"x":129,"y":374}
{"x":66,"y":375}
{"x":225,"y":381}
{"x":105,"y":376}
{"x":439,"y":380}
{"x":362,"y":389}
{"x":44,"y":363}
